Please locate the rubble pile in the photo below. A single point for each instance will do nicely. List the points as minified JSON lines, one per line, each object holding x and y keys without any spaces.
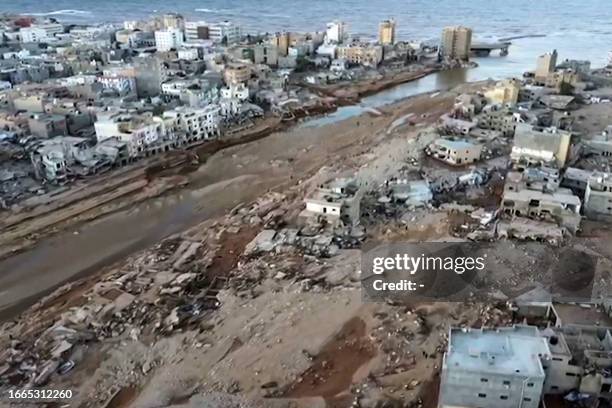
{"x":167,"y":288}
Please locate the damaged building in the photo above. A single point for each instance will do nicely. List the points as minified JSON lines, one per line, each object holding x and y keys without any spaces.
{"x":454,"y":152}
{"x":533,"y":146}
{"x":598,"y":196}
{"x":537,"y":201}
{"x":337,"y":202}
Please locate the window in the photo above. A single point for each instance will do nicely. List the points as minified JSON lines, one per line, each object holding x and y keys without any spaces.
{"x":527,"y":399}
{"x":503,"y":397}
{"x":530,"y":385}
{"x":484,"y":380}
{"x":506,"y":382}
{"x":570,"y":374}
{"x":481,"y":395}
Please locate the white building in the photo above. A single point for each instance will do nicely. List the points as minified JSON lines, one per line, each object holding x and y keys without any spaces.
{"x":230,"y":107}
{"x":336,"y":32}
{"x":137,"y":131}
{"x":237,"y":91}
{"x":189,"y":54}
{"x":502,"y":368}
{"x":119,"y":83}
{"x":224,"y":30}
{"x":196,"y":30}
{"x":168,"y":39}
{"x":40,"y":33}
{"x":196,"y":124}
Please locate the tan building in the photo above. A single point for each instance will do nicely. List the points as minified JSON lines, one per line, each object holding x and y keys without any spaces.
{"x":386,"y":32}
{"x":555,"y":79}
{"x":456,"y":43}
{"x":236,"y":74}
{"x":505,"y":92}
{"x":282,"y":42}
{"x":545,"y":65}
{"x":454,"y":152}
{"x":363,"y":54}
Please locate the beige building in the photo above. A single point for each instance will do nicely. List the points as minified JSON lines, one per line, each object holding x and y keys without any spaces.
{"x":455,"y":152}
{"x":555,"y":79}
{"x":386,"y":32}
{"x":504,"y":93}
{"x":236,"y":74}
{"x":456,"y":43}
{"x":545,"y":65}
{"x":282,"y":42}
{"x":362,"y":54}
{"x":540,"y":146}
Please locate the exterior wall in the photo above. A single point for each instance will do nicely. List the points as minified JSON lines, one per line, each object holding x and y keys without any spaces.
{"x":237,"y":74}
{"x":169,"y":39}
{"x":456,"y":43}
{"x":598,"y":197}
{"x":461,"y":388}
{"x":322,"y":207}
{"x":386,"y":32}
{"x":561,"y":377}
{"x":545,"y":65}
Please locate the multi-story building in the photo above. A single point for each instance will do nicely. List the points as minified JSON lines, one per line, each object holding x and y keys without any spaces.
{"x":494,"y":368}
{"x":598,"y":196}
{"x":46,"y":125}
{"x":386,"y":32}
{"x":236,"y":73}
{"x":545,"y":65}
{"x":456,"y":43}
{"x":196,"y":124}
{"x":40,"y":32}
{"x":265,"y":54}
{"x":196,"y":30}
{"x":149,"y":73}
{"x":139,"y":131}
{"x":238,"y":91}
{"x":504,"y":93}
{"x":336,"y":32}
{"x":282,"y":42}
{"x":369,"y":55}
{"x":455,"y":152}
{"x":224,"y":31}
{"x":173,"y":21}
{"x":534,"y":146}
{"x":168,"y":39}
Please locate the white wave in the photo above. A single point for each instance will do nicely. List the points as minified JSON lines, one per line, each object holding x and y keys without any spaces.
{"x":211,"y":11}
{"x":67,"y":12}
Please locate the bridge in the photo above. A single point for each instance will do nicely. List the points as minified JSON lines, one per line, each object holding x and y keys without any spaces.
{"x":484,"y":49}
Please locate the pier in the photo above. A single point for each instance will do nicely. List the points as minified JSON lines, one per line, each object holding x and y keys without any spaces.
{"x":484,"y":49}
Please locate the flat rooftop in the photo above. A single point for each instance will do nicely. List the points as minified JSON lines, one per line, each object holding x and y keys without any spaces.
{"x":508,"y":351}
{"x":574,"y":314}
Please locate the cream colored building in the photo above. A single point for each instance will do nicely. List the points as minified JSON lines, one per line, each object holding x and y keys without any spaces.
{"x":456,"y":43}
{"x":545,"y":65}
{"x":282,"y":42}
{"x":504,"y":93}
{"x":386,"y":32}
{"x":236,"y":74}
{"x":362,"y":54}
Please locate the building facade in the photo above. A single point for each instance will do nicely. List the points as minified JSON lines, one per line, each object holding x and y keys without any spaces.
{"x":386,"y":32}
{"x":456,"y":43}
